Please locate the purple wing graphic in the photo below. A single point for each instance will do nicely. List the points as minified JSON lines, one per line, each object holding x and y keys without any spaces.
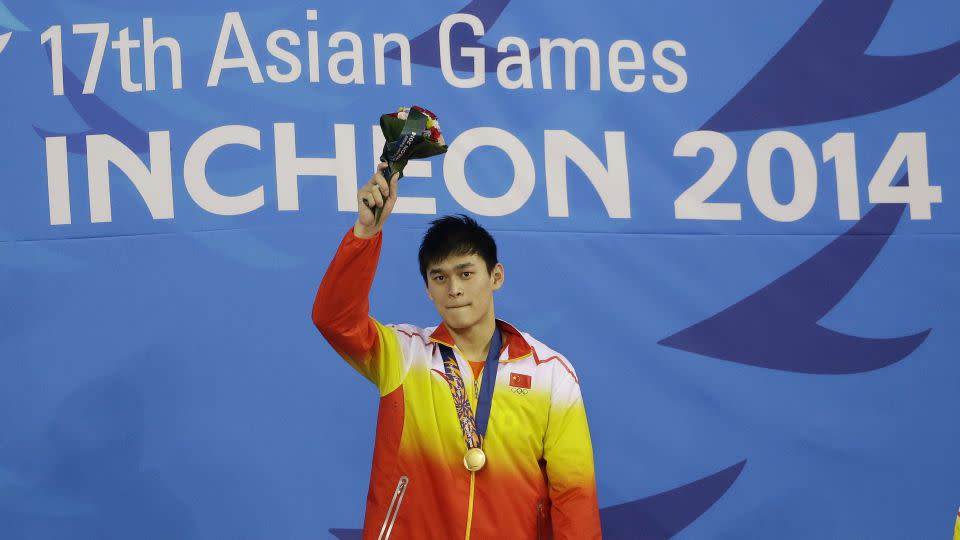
{"x":98,"y":115}
{"x":776,"y":327}
{"x":663,"y":515}
{"x":425,"y":48}
{"x":822,"y":73}
{"x":656,"y":517}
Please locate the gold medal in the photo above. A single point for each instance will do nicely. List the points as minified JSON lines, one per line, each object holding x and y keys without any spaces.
{"x":474,"y":459}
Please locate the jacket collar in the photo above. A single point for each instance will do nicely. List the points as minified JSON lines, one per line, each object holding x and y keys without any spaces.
{"x":514,"y":344}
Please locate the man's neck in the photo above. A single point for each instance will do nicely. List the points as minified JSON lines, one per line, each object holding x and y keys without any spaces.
{"x":474,"y":342}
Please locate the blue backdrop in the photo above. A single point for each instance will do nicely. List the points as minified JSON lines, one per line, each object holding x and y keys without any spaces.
{"x":737,"y":221}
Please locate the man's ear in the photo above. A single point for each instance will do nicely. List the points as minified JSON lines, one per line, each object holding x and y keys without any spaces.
{"x":430,"y":296}
{"x":498,"y":276}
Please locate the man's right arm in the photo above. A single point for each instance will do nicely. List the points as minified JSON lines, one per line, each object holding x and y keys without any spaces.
{"x":341,"y":307}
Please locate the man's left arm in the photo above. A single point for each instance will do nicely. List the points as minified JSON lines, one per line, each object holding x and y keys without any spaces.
{"x":569,"y":459}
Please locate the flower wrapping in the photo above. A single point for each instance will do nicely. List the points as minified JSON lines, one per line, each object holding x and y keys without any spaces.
{"x":410,"y":133}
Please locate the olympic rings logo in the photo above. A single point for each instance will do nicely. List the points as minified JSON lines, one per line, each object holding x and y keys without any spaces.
{"x":519,"y":391}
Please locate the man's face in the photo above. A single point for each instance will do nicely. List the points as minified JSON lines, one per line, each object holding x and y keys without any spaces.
{"x":462,"y":290}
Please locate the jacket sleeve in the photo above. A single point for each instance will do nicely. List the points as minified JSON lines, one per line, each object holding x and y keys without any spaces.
{"x":341,"y":313}
{"x":568,"y":454}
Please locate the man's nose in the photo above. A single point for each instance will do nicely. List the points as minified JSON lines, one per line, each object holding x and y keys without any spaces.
{"x":455,"y":289}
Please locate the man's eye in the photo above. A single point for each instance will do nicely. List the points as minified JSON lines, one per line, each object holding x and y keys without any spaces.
{"x":467,"y":274}
{"x":438,"y":278}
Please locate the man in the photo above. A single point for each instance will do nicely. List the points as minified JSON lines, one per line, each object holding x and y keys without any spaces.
{"x":481,"y":431}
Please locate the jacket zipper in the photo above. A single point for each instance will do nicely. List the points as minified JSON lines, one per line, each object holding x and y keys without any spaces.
{"x":394,"y":509}
{"x":543,"y":522}
{"x":539,"y":521}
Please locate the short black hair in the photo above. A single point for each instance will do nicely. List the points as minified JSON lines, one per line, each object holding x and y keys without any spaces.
{"x":451,"y":236}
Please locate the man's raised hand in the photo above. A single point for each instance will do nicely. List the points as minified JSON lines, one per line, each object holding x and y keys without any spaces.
{"x":377,"y":193}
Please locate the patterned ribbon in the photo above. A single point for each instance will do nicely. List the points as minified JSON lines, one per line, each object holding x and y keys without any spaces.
{"x":473,"y":427}
{"x":468,"y":422}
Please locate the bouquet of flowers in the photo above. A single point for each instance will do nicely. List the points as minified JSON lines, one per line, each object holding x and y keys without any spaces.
{"x":410,"y":133}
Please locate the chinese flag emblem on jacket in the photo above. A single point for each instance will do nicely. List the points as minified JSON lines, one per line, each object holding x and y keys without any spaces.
{"x":519,"y":380}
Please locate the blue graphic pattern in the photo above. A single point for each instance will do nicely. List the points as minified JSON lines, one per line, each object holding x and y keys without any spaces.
{"x":777,"y":327}
{"x":823,"y":73}
{"x":9,"y":20}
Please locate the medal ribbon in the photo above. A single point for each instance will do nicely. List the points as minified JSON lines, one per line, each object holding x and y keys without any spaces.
{"x":474,"y":427}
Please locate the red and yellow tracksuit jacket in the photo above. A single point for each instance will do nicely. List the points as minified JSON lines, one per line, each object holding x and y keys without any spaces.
{"x":538,"y":481}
